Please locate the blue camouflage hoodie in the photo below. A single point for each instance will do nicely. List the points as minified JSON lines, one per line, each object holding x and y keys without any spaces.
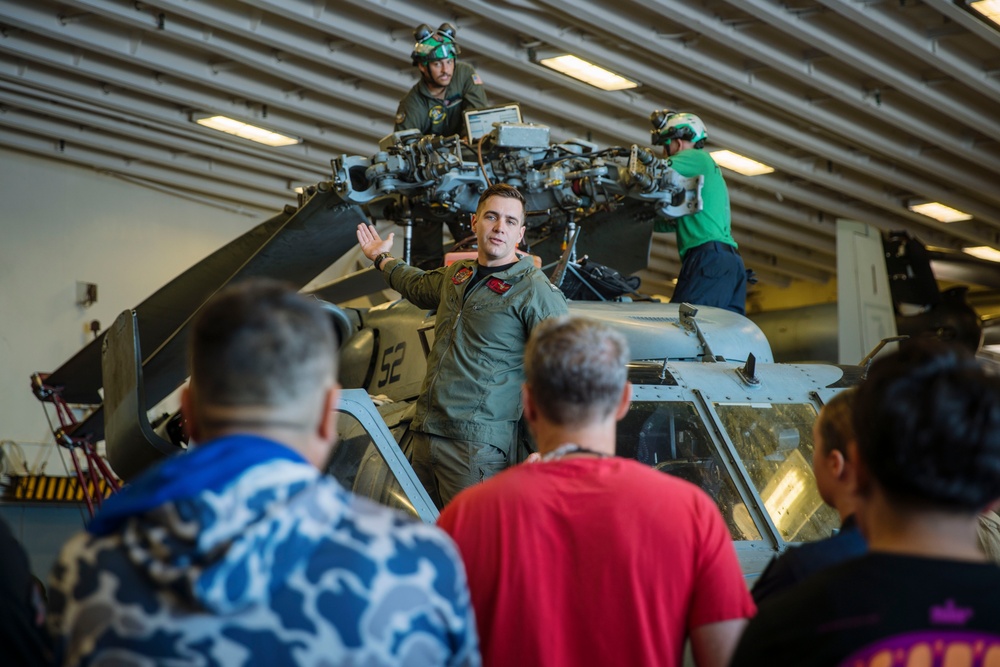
{"x":240,"y":552}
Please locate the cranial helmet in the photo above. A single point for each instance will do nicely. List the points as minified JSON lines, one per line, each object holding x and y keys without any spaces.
{"x":669,"y":125}
{"x":434,"y":44}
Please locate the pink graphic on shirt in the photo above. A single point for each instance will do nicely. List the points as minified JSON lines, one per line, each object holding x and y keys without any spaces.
{"x":949,"y":614}
{"x":931,"y":648}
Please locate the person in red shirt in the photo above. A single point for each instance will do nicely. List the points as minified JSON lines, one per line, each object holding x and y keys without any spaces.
{"x":584,"y":558}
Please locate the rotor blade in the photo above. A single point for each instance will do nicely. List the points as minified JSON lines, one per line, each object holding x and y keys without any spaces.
{"x":310,"y":240}
{"x":164,"y":311}
{"x":964,"y":268}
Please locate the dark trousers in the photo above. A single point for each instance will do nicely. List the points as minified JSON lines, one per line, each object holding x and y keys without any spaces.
{"x":713,"y":274}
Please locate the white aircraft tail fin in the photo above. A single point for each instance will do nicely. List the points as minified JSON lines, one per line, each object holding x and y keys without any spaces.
{"x":864,"y":303}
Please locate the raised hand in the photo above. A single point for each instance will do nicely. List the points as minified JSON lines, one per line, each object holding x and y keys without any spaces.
{"x":373,"y":245}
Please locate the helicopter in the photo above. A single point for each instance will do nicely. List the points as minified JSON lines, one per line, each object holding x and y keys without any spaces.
{"x":709,"y":404}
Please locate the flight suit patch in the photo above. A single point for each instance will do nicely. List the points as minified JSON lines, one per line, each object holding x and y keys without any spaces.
{"x":498,"y":286}
{"x":436,"y":114}
{"x":400,"y":117}
{"x":476,"y":80}
{"x":461,"y":275}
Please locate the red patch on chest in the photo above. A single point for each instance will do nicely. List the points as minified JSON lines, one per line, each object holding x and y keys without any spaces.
{"x":461,"y":275}
{"x":498,"y":286}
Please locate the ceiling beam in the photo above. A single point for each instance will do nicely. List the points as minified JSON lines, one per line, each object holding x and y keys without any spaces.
{"x":158,"y":72}
{"x":100,"y":103}
{"x":616,"y":24}
{"x":237,"y":198}
{"x":132,"y":152}
{"x":67,"y":121}
{"x":935,"y":52}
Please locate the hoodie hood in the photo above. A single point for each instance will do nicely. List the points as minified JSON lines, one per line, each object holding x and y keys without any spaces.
{"x":211,"y":524}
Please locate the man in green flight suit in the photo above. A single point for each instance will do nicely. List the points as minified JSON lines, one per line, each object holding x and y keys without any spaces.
{"x":436,"y":105}
{"x":465,"y":426}
{"x":447,"y":88}
{"x":712,"y":270}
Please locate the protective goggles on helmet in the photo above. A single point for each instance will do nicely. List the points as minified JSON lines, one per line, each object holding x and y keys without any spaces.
{"x":661,"y":135}
{"x":669,"y":125}
{"x":434,"y":45}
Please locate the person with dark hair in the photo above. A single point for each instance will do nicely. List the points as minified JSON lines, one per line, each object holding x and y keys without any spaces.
{"x":436,"y":104}
{"x":240,"y":551}
{"x":835,"y":480}
{"x":23,"y":637}
{"x":712,"y":270}
{"x":585,"y":558}
{"x":447,"y":87}
{"x":927,"y":450}
{"x":465,"y":427}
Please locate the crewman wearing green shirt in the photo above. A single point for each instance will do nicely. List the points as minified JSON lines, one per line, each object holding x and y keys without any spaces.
{"x":712,"y":271}
{"x":436,"y":105}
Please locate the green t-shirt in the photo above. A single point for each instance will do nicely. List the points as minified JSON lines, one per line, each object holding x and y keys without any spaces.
{"x":712,"y":222}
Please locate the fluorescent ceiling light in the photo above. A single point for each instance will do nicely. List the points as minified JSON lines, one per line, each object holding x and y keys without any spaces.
{"x":740,"y":164}
{"x":990,"y":9}
{"x":247,"y":131}
{"x":940,"y":212}
{"x":984,"y":252}
{"x":587,"y":72}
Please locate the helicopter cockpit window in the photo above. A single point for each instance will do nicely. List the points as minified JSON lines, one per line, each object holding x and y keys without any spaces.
{"x":775,"y":443}
{"x":670,"y":437}
{"x":359,"y":467}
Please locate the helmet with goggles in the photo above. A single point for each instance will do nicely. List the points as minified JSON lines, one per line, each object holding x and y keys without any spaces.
{"x":669,"y":125}
{"x":434,"y":45}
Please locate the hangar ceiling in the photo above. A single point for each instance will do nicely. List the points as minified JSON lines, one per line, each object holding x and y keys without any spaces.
{"x":862,"y":107}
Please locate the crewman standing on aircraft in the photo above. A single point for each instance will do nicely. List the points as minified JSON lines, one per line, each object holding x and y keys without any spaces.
{"x":712,"y":271}
{"x":436,"y":105}
{"x":447,"y":87}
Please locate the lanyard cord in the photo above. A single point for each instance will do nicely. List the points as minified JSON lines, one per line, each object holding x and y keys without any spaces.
{"x":570,"y":448}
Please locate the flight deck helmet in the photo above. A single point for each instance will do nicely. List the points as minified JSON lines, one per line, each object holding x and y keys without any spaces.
{"x":434,"y":45}
{"x":669,"y":125}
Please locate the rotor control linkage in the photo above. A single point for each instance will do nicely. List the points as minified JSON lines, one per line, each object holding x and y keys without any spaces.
{"x":411,"y":172}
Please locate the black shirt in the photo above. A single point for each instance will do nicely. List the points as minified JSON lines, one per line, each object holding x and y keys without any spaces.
{"x":484,"y":271}
{"x":878,"y":605}
{"x":800,"y":562}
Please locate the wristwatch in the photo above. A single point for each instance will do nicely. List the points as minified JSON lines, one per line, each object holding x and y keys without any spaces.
{"x":379,"y":258}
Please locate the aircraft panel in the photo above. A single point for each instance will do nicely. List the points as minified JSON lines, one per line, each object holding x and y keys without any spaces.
{"x":652,"y":328}
{"x":865,"y":314}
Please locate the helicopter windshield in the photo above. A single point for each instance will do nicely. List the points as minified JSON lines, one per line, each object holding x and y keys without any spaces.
{"x":670,"y":437}
{"x":775,"y":443}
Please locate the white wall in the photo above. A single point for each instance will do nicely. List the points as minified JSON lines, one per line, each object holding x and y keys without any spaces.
{"x":60,"y":224}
